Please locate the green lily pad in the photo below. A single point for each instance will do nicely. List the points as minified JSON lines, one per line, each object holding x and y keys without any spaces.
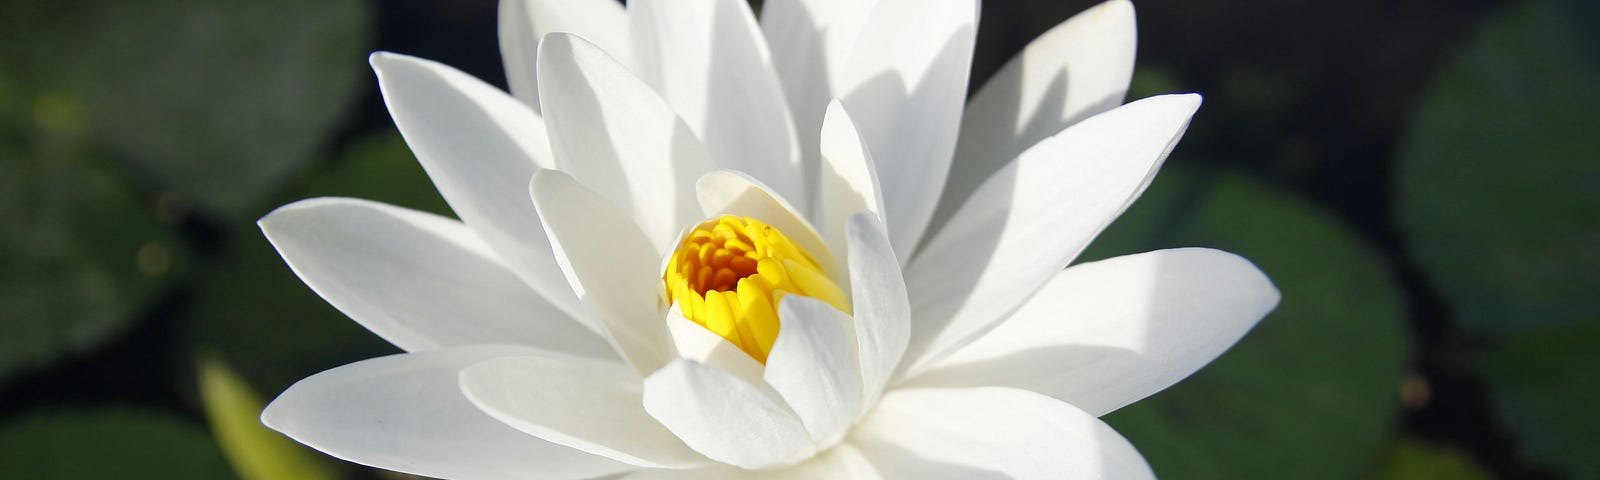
{"x":1499,"y":200}
{"x":259,"y":317}
{"x":108,"y":443}
{"x":1316,"y":381}
{"x":83,"y":256}
{"x":217,"y":101}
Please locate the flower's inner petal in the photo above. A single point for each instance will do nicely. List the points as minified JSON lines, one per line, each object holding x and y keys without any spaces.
{"x":709,"y":61}
{"x":729,"y":273}
{"x":905,"y":87}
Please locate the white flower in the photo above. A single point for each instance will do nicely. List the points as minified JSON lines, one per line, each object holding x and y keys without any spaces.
{"x":564,"y":328}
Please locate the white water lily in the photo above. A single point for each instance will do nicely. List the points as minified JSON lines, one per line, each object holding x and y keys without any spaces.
{"x":692,"y":245}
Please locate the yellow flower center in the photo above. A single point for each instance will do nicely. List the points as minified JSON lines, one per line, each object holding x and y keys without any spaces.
{"x":729,"y":274}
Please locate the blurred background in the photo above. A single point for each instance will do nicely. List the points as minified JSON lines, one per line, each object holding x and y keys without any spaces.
{"x":1420,"y":177}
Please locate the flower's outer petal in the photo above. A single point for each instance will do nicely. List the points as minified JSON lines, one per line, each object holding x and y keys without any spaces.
{"x":848,"y":183}
{"x":616,"y":136}
{"x":418,"y":280}
{"x":480,"y":147}
{"x":905,"y":87}
{"x":1106,"y":334}
{"x":524,"y":22}
{"x":696,"y":343}
{"x":882,"y":310}
{"x":708,"y":60}
{"x":727,"y":192}
{"x":813,"y":367}
{"x":610,"y":264}
{"x":725,"y":418}
{"x":992,"y":433}
{"x":1074,"y":71}
{"x":811,"y":41}
{"x":404,"y":413}
{"x":1031,"y":218}
{"x":590,"y":406}
{"x":843,"y":462}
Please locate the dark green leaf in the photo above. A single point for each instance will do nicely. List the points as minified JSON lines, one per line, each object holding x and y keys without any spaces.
{"x":1315,"y":382}
{"x":108,"y":443}
{"x":1499,"y":194}
{"x":82,"y":256}
{"x":215,"y":100}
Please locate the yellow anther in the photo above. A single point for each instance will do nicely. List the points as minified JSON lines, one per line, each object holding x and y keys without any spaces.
{"x":729,"y":274}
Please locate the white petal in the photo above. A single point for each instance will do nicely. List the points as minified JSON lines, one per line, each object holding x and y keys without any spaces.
{"x":418,"y":280}
{"x":843,"y":462}
{"x":709,"y":61}
{"x":724,"y":418}
{"x":905,"y":87}
{"x":404,"y":413}
{"x":992,"y":433}
{"x":726,"y":192}
{"x":524,"y":22}
{"x":480,"y":147}
{"x":696,"y":343}
{"x":613,"y":133}
{"x":1106,"y":334}
{"x":882,"y":310}
{"x":811,"y":40}
{"x":590,"y":406}
{"x":1032,"y":218}
{"x":610,"y":264}
{"x":848,"y":183}
{"x":1076,"y":70}
{"x":813,"y":367}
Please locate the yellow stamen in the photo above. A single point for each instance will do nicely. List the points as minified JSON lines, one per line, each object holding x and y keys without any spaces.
{"x":729,"y":274}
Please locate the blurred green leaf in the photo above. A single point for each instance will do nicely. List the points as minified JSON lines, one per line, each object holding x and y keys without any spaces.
{"x":1316,"y":381}
{"x":108,"y":443}
{"x":256,"y":452}
{"x":82,"y":257}
{"x":215,"y":100}
{"x":250,"y":308}
{"x":1499,"y":200}
{"x":1411,"y":459}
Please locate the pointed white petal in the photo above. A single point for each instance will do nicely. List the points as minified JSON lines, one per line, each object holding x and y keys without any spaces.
{"x":616,"y":136}
{"x":1106,"y":334}
{"x":848,"y":183}
{"x":904,"y":86}
{"x":724,"y":418}
{"x":811,"y":42}
{"x":480,"y":147}
{"x":590,"y":406}
{"x":1074,"y":71}
{"x":404,"y":413}
{"x":709,"y":61}
{"x":992,"y":433}
{"x":696,"y":343}
{"x":843,"y":462}
{"x":1032,"y":218}
{"x":418,"y":280}
{"x":524,"y":22}
{"x":882,"y":310}
{"x":727,"y":192}
{"x":813,"y":367}
{"x":610,"y":264}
